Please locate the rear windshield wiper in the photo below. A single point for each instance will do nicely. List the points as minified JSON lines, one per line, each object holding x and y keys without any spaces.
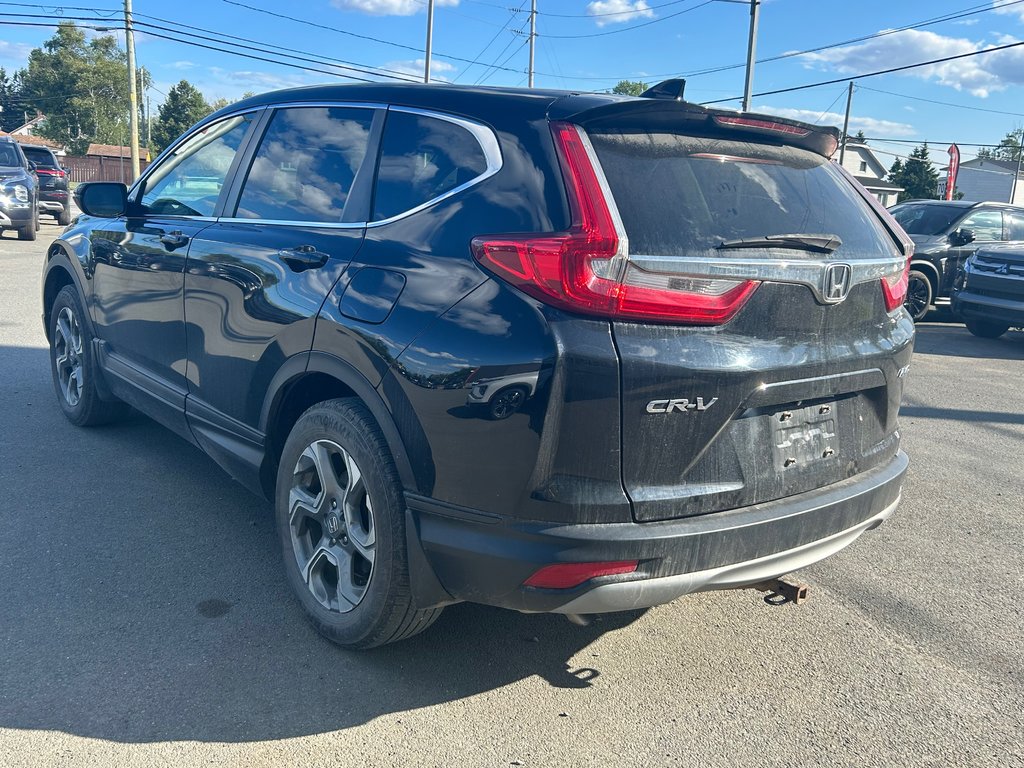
{"x":816,"y":243}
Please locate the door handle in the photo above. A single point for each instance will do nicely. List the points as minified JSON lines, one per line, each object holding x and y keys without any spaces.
{"x":173,"y":239}
{"x":302,"y":257}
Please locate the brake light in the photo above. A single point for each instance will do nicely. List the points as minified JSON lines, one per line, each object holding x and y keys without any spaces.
{"x":894,"y":288}
{"x":764,"y":125}
{"x":587,"y":268}
{"x":568,"y":575}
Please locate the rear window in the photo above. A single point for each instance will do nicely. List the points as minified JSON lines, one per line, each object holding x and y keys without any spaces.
{"x":684,"y":195}
{"x":40,"y":157}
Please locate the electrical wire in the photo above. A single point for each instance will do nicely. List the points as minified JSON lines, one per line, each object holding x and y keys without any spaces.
{"x":940,"y":103}
{"x":483,"y":50}
{"x":627,"y":29}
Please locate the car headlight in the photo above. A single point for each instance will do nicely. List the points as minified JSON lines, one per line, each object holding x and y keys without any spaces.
{"x":21,"y":193}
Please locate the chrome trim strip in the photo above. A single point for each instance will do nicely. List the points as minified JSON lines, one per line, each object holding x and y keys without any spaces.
{"x":779,"y":267}
{"x":287,"y":223}
{"x":484,"y":136}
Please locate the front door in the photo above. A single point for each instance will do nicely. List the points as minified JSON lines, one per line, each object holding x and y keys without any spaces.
{"x":139,"y":265}
{"x":987,"y":226}
{"x":256,"y":279}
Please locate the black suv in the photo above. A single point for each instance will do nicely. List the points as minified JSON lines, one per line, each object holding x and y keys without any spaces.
{"x":945,"y":233}
{"x":19,"y":191}
{"x":53,"y":183}
{"x":701,"y":317}
{"x":989,"y":292}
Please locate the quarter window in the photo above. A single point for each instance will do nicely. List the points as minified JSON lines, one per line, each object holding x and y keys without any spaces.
{"x":422,"y":158}
{"x":305,"y":165}
{"x":188,"y":182}
{"x":986,"y":225}
{"x":1015,"y":222}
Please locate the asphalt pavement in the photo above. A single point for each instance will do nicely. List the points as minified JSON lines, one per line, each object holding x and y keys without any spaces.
{"x":145,"y":619}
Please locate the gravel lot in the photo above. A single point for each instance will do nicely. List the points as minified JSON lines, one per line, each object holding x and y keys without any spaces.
{"x":144,"y":617}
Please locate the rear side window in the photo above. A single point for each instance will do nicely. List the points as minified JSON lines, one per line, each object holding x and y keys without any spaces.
{"x":422,"y":158}
{"x":1015,"y":225}
{"x":305,"y":164}
{"x":683,"y":195}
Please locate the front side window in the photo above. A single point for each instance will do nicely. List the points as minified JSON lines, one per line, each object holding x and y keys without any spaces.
{"x":188,"y":182}
{"x":9,"y":156}
{"x":986,"y":225}
{"x":422,"y":158}
{"x":306,"y":164}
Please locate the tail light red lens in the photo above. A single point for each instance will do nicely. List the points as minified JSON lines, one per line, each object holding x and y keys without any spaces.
{"x":568,"y":575}
{"x":586,"y":269}
{"x":894,"y":288}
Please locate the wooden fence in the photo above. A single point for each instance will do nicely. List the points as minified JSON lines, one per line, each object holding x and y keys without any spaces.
{"x":93,"y":168}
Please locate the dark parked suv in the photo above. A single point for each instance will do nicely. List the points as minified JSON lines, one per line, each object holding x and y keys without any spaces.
{"x":701,"y":316}
{"x":19,"y":191}
{"x":989,"y":292}
{"x":945,"y":233}
{"x":53,"y":183}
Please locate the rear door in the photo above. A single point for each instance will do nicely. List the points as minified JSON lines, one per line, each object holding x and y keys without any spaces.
{"x":257,"y":277}
{"x":799,"y":389}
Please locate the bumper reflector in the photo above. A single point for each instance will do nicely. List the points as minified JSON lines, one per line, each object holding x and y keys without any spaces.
{"x":567,"y":575}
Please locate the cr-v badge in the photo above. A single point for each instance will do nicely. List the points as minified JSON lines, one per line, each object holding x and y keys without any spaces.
{"x":682,"y":405}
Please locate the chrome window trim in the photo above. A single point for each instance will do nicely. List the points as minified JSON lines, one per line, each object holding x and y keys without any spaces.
{"x":485,"y":138}
{"x":289,"y":223}
{"x":776,"y":268}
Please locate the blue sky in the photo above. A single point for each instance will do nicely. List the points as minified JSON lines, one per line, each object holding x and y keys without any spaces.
{"x":591,"y":45}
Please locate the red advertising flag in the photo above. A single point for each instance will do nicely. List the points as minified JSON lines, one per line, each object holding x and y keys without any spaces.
{"x":954,"y":166}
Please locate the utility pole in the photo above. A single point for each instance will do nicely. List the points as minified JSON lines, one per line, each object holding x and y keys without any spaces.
{"x":1016,"y":176}
{"x":430,"y":40}
{"x":133,"y":96}
{"x":149,"y":124}
{"x":533,"y":37}
{"x":846,"y":124}
{"x":755,"y":9}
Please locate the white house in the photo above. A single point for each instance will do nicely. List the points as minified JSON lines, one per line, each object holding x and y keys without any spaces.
{"x":861,"y":161}
{"x":987,"y":179}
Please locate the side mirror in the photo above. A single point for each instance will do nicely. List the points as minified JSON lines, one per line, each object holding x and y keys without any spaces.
{"x":32,"y":165}
{"x":106,"y":199}
{"x":962,"y":237}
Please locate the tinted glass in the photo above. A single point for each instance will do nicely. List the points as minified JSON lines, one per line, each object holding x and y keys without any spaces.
{"x":987,"y":225}
{"x":9,"y":155}
{"x":306,"y":164}
{"x":41,"y":157}
{"x":1015,"y":223}
{"x":189,"y":180}
{"x":421,"y":159}
{"x":682,"y":195}
{"x":925,"y":218}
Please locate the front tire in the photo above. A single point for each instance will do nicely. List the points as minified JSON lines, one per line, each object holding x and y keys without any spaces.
{"x":986,"y":329}
{"x":64,"y":217}
{"x":919,"y":295}
{"x":28,"y":232}
{"x":72,"y":364}
{"x":341,"y":524}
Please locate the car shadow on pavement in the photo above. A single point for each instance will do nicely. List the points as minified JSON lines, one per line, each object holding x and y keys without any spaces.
{"x":957,"y":341}
{"x":143,"y":599}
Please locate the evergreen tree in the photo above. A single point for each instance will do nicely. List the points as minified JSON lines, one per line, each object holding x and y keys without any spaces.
{"x":917,"y":176}
{"x":860,"y":138}
{"x":12,"y":105}
{"x":183,"y":107}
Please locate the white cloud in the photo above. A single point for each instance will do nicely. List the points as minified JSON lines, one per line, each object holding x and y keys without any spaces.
{"x":182,"y":65}
{"x":414,"y":67}
{"x":388,"y":7}
{"x":1004,"y":7}
{"x":16,"y":52}
{"x":978,"y":75}
{"x":621,"y":10}
{"x":966,"y":22}
{"x":870,"y":125}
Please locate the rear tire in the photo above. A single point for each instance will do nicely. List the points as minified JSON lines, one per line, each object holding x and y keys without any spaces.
{"x":341,"y":524}
{"x":64,"y":217}
{"x":73,"y":366}
{"x":986,"y":329}
{"x":919,"y":295}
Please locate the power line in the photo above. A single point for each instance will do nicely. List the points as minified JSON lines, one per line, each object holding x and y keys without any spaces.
{"x":888,"y":71}
{"x":483,"y":50}
{"x":941,"y":103}
{"x":628,"y":29}
{"x":609,"y":13}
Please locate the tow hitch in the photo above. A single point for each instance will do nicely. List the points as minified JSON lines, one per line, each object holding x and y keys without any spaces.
{"x":783,"y":591}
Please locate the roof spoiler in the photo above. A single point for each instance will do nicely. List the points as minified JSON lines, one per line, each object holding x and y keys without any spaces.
{"x":671,"y":90}
{"x":664,"y":111}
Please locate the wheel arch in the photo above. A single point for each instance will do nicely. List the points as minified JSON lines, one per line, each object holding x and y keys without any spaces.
{"x":306,"y":380}
{"x":930,"y":271}
{"x":59,"y":272}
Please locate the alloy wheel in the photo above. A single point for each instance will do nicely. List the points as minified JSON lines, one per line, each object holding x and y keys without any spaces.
{"x":331,"y":525}
{"x":67,"y":354}
{"x":919,"y":294}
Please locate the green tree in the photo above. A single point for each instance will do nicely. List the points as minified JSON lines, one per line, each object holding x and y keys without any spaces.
{"x":860,"y":138}
{"x":183,"y":108}
{"x":630,"y":87}
{"x":81,"y":86}
{"x":12,"y":104}
{"x":917,"y":176}
{"x":1009,"y":147}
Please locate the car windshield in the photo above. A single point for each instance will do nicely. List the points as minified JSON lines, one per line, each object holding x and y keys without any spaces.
{"x":926,"y":219}
{"x":8,"y":155}
{"x":40,"y":157}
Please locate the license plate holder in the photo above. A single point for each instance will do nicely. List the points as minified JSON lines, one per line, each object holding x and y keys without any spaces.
{"x":804,"y":436}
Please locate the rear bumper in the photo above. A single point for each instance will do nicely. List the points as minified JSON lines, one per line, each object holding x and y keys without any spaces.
{"x":485,"y":559}
{"x":978,"y":305}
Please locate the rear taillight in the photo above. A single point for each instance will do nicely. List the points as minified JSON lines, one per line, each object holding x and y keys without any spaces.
{"x":568,"y":575}
{"x":761,"y":124}
{"x":587,"y":269}
{"x":894,"y":288}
